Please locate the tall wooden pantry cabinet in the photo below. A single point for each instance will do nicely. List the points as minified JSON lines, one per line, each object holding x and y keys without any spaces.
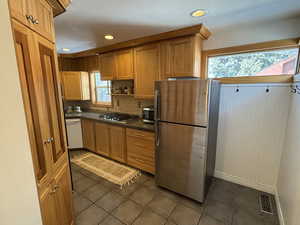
{"x":32,"y":25}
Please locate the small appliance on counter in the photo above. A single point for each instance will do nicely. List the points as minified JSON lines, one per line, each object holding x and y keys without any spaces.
{"x":73,"y":109}
{"x":148,"y":114}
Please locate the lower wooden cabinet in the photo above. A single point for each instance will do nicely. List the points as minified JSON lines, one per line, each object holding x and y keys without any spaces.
{"x":102,"y":139}
{"x":131,"y":146}
{"x":117,"y":143}
{"x":88,"y":134}
{"x":141,"y":150}
{"x":56,"y":201}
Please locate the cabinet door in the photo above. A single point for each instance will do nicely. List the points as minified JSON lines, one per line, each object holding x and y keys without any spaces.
{"x":117,"y":143}
{"x":47,"y":58}
{"x":124,"y":64}
{"x":185,"y":57}
{"x":33,"y":98}
{"x":72,"y":85}
{"x":63,"y":196}
{"x":146,"y":69}
{"x":43,"y":19}
{"x":88,"y":134}
{"x":48,"y":207}
{"x":19,"y":11}
{"x":102,"y":139}
{"x":165,"y":62}
{"x":108,"y":66}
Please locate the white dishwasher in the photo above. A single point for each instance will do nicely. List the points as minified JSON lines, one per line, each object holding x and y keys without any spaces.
{"x":74,"y":133}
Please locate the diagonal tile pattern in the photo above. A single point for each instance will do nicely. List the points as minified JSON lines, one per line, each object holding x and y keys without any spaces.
{"x":99,"y":202}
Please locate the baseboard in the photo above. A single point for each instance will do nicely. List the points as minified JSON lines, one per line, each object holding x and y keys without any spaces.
{"x":239,"y":180}
{"x":279,"y":209}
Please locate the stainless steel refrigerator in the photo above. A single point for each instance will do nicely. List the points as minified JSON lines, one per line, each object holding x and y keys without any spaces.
{"x":186,"y":121}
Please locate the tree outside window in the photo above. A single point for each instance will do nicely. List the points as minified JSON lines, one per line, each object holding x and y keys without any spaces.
{"x":260,"y":63}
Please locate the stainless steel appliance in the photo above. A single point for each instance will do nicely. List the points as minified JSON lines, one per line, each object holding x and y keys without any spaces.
{"x":186,"y":120}
{"x":148,"y":114}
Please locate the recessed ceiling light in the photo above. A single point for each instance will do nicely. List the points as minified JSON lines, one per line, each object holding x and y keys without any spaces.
{"x":198,"y":13}
{"x":108,"y":37}
{"x":66,"y":49}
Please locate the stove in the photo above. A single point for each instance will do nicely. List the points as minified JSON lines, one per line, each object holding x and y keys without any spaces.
{"x":115,"y":117}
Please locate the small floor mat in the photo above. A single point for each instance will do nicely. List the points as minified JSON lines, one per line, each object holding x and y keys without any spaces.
{"x":110,"y":170}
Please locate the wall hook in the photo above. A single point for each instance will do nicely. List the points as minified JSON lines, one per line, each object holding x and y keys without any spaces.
{"x":293,"y":89}
{"x":237,"y":89}
{"x":297,"y":89}
{"x":267,"y":89}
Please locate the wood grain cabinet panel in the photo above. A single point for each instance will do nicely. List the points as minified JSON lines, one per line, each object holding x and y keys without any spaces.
{"x":184,"y":56}
{"x":63,"y":196}
{"x":76,"y":85}
{"x":88,"y":134}
{"x":48,"y":207}
{"x":117,"y":143}
{"x":124,"y":64}
{"x":146,"y":70}
{"x":20,"y":11}
{"x":108,"y":66}
{"x":102,"y":139}
{"x":43,"y":20}
{"x":140,"y":150}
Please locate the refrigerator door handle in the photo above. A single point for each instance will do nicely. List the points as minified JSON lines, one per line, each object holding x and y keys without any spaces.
{"x":156,"y":105}
{"x":157,"y":140}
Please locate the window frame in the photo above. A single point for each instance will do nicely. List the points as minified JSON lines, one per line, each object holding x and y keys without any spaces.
{"x":263,"y":46}
{"x":93,"y":91}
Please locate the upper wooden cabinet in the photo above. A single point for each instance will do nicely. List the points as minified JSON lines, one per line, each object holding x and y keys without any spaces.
{"x":107,"y":66}
{"x":76,"y":85}
{"x":36,"y":14}
{"x":117,"y":65}
{"x":146,"y":70}
{"x":124,"y":64}
{"x":181,"y":57}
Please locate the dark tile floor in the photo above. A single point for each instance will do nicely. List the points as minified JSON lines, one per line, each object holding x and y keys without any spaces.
{"x":99,"y":202}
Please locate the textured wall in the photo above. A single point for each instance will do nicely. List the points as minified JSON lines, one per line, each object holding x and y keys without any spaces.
{"x":289,"y":179}
{"x":251,"y":134}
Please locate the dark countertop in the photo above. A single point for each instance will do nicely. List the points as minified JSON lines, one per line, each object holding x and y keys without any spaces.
{"x":135,"y":123}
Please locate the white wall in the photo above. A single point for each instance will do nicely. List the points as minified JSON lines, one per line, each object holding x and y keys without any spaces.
{"x":251,"y":134}
{"x":18,"y":195}
{"x":253,"y":33}
{"x":288,"y":193}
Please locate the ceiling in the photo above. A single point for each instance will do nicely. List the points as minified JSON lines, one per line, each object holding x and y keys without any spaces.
{"x":85,"y":22}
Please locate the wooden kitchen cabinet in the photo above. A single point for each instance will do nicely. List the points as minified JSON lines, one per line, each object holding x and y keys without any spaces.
{"x":38,"y":71}
{"x":117,"y":143}
{"x":102,"y":139}
{"x":76,"y":85}
{"x":141,"y":149}
{"x":63,"y":195}
{"x":146,"y":70}
{"x":107,"y":66}
{"x":181,"y":57}
{"x":88,"y":134}
{"x":124,"y":64}
{"x":36,"y":14}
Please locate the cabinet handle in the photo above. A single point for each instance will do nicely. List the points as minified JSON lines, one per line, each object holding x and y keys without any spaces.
{"x":53,"y":191}
{"x":49,"y":140}
{"x":35,"y":21}
{"x":29,"y":18}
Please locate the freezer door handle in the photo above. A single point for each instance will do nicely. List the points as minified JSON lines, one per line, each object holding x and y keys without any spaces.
{"x":156,"y":104}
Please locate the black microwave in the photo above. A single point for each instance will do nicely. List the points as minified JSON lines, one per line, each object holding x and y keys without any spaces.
{"x":148,"y":114}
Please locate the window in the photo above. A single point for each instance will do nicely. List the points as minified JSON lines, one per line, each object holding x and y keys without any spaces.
{"x":259,"y":63}
{"x":101,"y":94}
